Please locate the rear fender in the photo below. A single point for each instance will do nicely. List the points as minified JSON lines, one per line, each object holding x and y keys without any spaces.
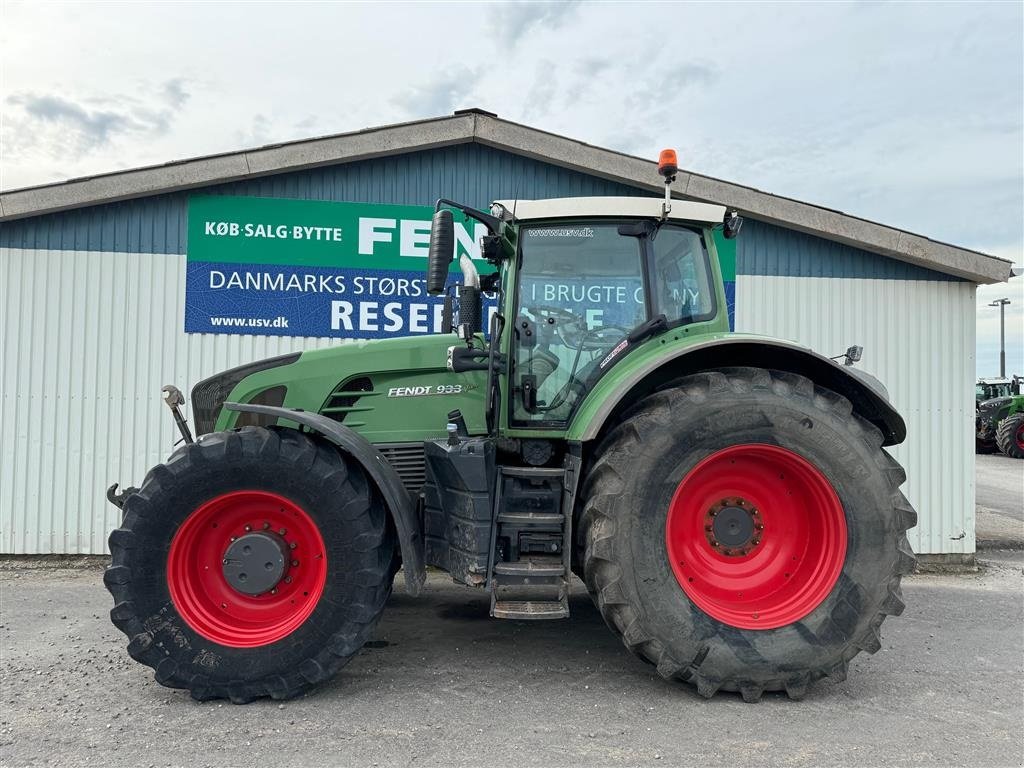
{"x":383,"y":475}
{"x":868,"y":396}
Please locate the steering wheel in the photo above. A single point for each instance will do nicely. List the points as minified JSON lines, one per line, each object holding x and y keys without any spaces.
{"x":574,"y":332}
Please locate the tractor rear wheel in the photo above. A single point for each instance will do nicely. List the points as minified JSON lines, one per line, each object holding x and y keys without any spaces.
{"x":985,"y":446}
{"x":253,"y":563}
{"x":744,"y":531}
{"x":1010,"y":435}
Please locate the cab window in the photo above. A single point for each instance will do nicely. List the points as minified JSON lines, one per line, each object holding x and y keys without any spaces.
{"x":581,"y":290}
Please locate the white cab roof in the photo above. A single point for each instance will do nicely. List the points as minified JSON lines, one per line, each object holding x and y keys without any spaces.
{"x":583,"y":207}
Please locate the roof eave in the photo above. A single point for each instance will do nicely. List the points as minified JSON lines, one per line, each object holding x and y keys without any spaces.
{"x":235,"y":166}
{"x":485,"y":128}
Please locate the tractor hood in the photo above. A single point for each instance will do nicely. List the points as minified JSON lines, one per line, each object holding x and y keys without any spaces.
{"x":397,"y":388}
{"x":994,"y":404}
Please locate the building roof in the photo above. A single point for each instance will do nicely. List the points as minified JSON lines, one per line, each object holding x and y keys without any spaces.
{"x":475,"y":125}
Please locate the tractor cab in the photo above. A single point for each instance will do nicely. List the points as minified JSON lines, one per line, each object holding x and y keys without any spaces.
{"x":579,"y":283}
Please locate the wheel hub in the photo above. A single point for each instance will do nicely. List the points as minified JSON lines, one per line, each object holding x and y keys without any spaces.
{"x":756,"y":536}
{"x":256,"y":562}
{"x":733,"y":527}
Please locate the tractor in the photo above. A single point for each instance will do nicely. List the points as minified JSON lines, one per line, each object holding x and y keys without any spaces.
{"x":999,"y":419}
{"x":726,"y":498}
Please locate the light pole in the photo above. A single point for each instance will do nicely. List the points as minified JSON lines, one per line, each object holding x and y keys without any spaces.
{"x":1001,"y":303}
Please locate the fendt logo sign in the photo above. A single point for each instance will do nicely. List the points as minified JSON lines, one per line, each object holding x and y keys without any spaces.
{"x":312,"y":268}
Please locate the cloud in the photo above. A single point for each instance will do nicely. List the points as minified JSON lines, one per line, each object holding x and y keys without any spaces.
{"x":93,"y":127}
{"x":259,"y":133}
{"x":594,"y":66}
{"x":688,"y":75}
{"x":541,"y":94}
{"x":513,"y":21}
{"x":174,"y":93}
{"x":440,"y":95}
{"x":58,"y":126}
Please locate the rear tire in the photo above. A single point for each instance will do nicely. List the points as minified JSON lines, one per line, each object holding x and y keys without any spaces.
{"x":985,"y":446}
{"x":640,"y":490}
{"x":180,"y":612}
{"x":1010,"y":435}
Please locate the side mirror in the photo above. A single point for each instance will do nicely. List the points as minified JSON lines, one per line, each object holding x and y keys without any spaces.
{"x":731,"y":225}
{"x":439,"y":255}
{"x":853,"y":354}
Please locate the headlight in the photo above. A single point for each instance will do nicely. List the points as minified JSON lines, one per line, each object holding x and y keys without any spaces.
{"x":208,"y":395}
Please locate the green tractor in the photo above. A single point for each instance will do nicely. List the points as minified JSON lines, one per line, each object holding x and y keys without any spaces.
{"x":999,"y":419}
{"x":726,"y":498}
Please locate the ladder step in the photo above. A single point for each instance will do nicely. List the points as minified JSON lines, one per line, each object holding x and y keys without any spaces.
{"x":531,"y":518}
{"x":532,"y":472}
{"x":530,"y":609}
{"x":530,"y":567}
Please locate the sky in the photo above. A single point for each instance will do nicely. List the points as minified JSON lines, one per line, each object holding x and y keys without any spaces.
{"x":908,"y":114}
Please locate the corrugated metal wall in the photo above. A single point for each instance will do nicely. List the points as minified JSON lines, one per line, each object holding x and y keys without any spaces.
{"x":470,"y":173}
{"x":92,"y":303}
{"x":918,"y":338}
{"x":88,"y":339}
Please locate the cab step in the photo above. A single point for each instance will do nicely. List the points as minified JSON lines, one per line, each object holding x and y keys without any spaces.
{"x":531,"y":518}
{"x":530,"y":610}
{"x":529,"y":568}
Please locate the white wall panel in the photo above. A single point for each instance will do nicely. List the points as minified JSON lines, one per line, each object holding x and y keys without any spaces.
{"x":918,"y":338}
{"x":87,"y":340}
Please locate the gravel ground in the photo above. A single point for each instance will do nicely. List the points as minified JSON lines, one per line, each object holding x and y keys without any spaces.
{"x":999,"y":493}
{"x":444,"y":684}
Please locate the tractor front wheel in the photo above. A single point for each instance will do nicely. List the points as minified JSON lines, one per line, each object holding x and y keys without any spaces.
{"x":1010,"y":435}
{"x":744,"y":531}
{"x":253,"y":563}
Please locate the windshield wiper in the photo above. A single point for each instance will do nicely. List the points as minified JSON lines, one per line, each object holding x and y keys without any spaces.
{"x":653,"y":327}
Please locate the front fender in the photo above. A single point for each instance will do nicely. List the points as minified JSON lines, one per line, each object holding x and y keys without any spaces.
{"x":383,"y":475}
{"x":868,"y":396}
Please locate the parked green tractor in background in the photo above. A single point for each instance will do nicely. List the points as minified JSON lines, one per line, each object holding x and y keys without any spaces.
{"x":999,"y":419}
{"x":726,"y":498}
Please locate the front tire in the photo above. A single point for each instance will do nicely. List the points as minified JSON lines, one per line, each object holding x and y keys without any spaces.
{"x":744,"y":531}
{"x":207,"y":618}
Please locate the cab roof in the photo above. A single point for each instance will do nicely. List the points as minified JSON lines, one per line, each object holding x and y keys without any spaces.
{"x":601,"y":207}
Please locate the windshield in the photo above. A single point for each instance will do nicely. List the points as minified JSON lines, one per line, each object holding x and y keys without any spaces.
{"x":582,"y":289}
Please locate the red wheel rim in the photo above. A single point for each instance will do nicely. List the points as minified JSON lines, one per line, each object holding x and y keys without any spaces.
{"x":1020,"y":436}
{"x":206,"y":600}
{"x":796,"y":545}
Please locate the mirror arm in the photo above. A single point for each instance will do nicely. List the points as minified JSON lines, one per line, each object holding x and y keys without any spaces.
{"x":493,"y":223}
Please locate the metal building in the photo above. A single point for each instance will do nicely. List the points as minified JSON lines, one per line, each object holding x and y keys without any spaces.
{"x":92,"y":304}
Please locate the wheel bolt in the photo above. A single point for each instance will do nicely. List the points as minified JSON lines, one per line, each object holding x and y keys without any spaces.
{"x":287,"y":579}
{"x":273,"y":591}
{"x":248,"y":528}
{"x":282,"y":531}
{"x":266,"y":526}
{"x":295,"y":563}
{"x":293,"y":545}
